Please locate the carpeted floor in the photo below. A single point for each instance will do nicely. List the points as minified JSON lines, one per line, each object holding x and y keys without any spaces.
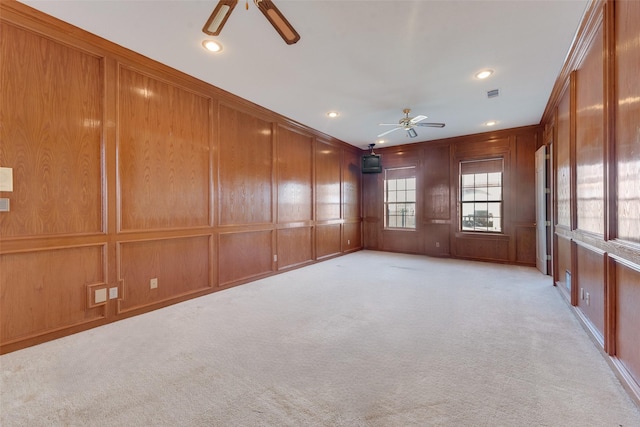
{"x":367,"y":339}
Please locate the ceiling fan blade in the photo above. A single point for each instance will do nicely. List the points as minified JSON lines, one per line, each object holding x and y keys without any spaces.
{"x":416,"y":119}
{"x":389,"y":131}
{"x":219,"y":16}
{"x":277,"y":19}
{"x":431,"y":125}
{"x":388,"y":124}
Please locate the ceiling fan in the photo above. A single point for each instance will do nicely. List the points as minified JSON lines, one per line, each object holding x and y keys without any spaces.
{"x":409,"y":123}
{"x":224,"y":7}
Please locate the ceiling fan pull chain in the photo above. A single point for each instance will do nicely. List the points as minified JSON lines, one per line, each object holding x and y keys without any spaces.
{"x":246,"y":5}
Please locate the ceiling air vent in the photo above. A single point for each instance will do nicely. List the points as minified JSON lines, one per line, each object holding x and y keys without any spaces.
{"x":493,"y":93}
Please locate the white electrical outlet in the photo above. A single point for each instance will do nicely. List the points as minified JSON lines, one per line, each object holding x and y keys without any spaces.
{"x":437,"y":244}
{"x":348,"y":242}
{"x":113,"y":293}
{"x":153,"y":283}
{"x":275,"y":258}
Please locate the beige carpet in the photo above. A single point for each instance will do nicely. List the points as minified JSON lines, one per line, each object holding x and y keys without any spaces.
{"x":368,"y":339}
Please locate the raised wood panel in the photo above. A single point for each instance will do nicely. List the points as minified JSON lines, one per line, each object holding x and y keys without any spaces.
{"x":352,"y":236}
{"x":627,"y":318}
{"x":181,"y":265}
{"x":436,"y":239}
{"x":294,"y":169}
{"x":488,"y":248}
{"x":328,"y":197}
{"x":627,"y":123}
{"x":351,"y":185}
{"x":245,"y":168}
{"x":295,"y":247}
{"x":563,"y":259}
{"x":44,"y":291}
{"x":163,"y":154}
{"x":243,"y":256}
{"x":590,"y":277}
{"x":436,"y":181}
{"x":52,"y":120}
{"x":590,"y":140}
{"x":563,"y":164}
{"x":524,"y":182}
{"x":328,"y":240}
{"x":526,"y":245}
{"x":401,"y":241}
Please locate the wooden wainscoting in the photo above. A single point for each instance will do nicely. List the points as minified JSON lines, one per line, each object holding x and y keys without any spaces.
{"x":126,"y":170}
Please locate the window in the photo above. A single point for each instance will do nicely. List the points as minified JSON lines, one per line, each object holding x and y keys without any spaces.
{"x":481,"y":195}
{"x":400,"y":198}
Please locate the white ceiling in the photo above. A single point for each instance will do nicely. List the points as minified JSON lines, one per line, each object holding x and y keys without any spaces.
{"x":365,"y":59}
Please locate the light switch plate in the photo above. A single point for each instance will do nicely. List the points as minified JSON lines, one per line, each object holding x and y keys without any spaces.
{"x":6,"y":179}
{"x":100,"y":295}
{"x":113,"y":293}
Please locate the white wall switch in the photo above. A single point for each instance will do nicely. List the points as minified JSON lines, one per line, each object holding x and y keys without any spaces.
{"x":113,"y":293}
{"x":153,"y":283}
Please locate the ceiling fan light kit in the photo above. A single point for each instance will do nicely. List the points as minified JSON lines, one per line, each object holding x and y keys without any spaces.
{"x":223,"y":10}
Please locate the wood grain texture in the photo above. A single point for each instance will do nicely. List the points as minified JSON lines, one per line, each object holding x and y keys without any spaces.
{"x":352,"y":236}
{"x":52,"y":113}
{"x":351,"y":185}
{"x":181,"y":265}
{"x":328,"y":192}
{"x":245,"y":168}
{"x":436,"y":182}
{"x":563,"y":260}
{"x":627,"y":318}
{"x":525,"y":244}
{"x":590,"y":139}
{"x":42,"y":291}
{"x":591,"y":278}
{"x":488,"y":248}
{"x":562,"y":162}
{"x":328,"y":240}
{"x":524,"y":206}
{"x":294,"y":171}
{"x":163,"y":147}
{"x":627,"y":123}
{"x":169,"y":176}
{"x":243,"y":256}
{"x":295,"y":247}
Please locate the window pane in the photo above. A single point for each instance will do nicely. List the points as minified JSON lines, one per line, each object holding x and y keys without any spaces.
{"x":391,"y":196}
{"x":495,"y":193}
{"x":494,"y":178}
{"x":401,"y":184}
{"x":411,"y":195}
{"x":467,"y":181}
{"x":401,"y":196}
{"x":411,"y":183}
{"x":481,"y":194}
{"x":391,"y":184}
{"x":468,"y":194}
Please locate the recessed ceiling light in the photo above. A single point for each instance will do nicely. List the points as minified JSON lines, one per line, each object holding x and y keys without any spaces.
{"x":381,"y":141}
{"x":333,"y":114}
{"x":491,"y":123}
{"x":212,"y":46}
{"x":483,"y":74}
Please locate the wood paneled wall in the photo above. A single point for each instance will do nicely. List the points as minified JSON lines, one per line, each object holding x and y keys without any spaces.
{"x":126,"y":170}
{"x":594,"y":117}
{"x":438,"y":231}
